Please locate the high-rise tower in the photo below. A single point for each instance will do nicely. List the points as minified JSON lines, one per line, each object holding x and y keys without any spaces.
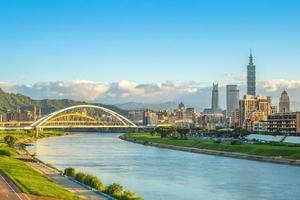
{"x":232,"y":98}
{"x":215,"y":98}
{"x":251,"y":77}
{"x":284,"y":102}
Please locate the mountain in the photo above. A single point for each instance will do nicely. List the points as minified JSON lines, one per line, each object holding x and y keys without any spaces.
{"x":154,"y":106}
{"x":11,"y":101}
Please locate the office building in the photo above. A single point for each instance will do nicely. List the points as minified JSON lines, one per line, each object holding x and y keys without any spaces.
{"x":232,"y":99}
{"x":251,"y":77}
{"x":215,"y":99}
{"x":284,"y":102}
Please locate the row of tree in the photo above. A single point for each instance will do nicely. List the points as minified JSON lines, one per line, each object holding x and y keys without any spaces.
{"x":184,"y":133}
{"x":115,"y":189}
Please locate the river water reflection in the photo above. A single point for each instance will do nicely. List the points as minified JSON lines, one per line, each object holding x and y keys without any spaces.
{"x":155,"y":173}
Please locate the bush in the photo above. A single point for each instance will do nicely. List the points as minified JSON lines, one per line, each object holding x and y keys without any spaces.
{"x":114,"y":189}
{"x":70,"y":172}
{"x":129,"y":195}
{"x":218,"y":141}
{"x":80,"y":177}
{"x":235,"y":142}
{"x":94,"y":182}
{"x":5,"y":152}
{"x":10,"y":140}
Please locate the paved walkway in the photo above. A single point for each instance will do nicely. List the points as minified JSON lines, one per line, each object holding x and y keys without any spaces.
{"x":8,"y":191}
{"x":64,"y":182}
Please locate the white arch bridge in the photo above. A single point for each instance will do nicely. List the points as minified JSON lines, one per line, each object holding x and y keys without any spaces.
{"x":79,"y":116}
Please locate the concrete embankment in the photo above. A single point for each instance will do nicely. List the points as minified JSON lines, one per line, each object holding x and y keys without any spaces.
{"x":237,"y":155}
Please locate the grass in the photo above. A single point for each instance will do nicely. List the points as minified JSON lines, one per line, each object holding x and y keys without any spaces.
{"x":30,"y":181}
{"x":284,"y":150}
{"x":29,"y":136}
{"x":24,"y":177}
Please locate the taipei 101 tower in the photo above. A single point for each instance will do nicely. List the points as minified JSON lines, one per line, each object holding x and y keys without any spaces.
{"x":251,"y":77}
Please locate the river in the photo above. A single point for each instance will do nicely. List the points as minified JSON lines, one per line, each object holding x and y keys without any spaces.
{"x":157,"y":174}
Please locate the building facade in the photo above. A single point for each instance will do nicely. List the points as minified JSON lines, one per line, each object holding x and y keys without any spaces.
{"x":150,"y":117}
{"x":215,"y":99}
{"x":232,"y":99}
{"x":284,"y":123}
{"x":284,"y":102}
{"x":251,"y":77}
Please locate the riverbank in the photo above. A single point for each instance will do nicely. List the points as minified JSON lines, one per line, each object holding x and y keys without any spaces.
{"x":28,"y":180}
{"x":264,"y":152}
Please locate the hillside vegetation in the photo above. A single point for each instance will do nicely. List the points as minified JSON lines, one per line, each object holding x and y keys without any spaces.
{"x":11,"y":101}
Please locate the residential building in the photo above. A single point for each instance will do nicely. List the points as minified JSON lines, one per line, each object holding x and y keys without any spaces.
{"x":136,"y":116}
{"x":284,"y":123}
{"x":149,"y":117}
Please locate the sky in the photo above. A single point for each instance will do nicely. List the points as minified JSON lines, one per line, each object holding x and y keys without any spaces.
{"x":114,"y":51}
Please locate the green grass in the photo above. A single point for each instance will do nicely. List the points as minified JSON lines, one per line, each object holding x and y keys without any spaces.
{"x":29,"y":136}
{"x":30,"y":181}
{"x":284,"y":150}
{"x":7,"y":151}
{"x":24,"y":177}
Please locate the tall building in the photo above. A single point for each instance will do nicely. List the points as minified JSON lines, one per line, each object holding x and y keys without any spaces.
{"x":215,"y":98}
{"x":254,"y":110}
{"x":247,"y":107}
{"x":284,"y":102}
{"x":251,"y":77}
{"x":149,"y":117}
{"x":232,"y":99}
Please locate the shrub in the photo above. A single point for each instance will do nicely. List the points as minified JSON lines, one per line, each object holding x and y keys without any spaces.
{"x":70,"y":172}
{"x":80,"y":177}
{"x":5,"y":152}
{"x":129,"y":195}
{"x":10,"y":140}
{"x":114,"y":189}
{"x":93,"y":182}
{"x":235,"y":142}
{"x":218,"y":141}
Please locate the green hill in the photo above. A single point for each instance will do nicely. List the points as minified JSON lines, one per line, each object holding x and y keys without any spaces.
{"x":11,"y":101}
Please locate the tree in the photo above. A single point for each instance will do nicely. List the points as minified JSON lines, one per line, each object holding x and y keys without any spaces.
{"x":166,"y":131}
{"x":80,"y":177}
{"x":183,"y":132}
{"x":240,"y":132}
{"x":70,"y":172}
{"x":114,"y":189}
{"x":129,"y":195}
{"x":10,"y":140}
{"x":93,"y":182}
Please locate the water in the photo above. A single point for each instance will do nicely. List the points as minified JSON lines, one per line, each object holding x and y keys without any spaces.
{"x":155,"y":173}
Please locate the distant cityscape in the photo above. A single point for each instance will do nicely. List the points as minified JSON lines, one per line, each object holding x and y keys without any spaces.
{"x":256,"y":113}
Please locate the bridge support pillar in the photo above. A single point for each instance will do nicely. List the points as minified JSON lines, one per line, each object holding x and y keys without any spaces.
{"x":37,"y":130}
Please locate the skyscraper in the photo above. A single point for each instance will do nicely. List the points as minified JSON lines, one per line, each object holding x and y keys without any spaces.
{"x":251,"y":77}
{"x":232,"y":98}
{"x":215,"y":99}
{"x":284,"y":102}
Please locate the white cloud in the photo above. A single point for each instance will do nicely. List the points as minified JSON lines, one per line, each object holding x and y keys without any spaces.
{"x":275,"y":85}
{"x":77,"y":90}
{"x":192,"y":93}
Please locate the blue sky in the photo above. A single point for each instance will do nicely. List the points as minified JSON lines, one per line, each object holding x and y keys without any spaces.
{"x":147,"y":42}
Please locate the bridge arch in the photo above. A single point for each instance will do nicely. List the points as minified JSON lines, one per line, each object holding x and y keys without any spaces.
{"x":123,"y":121}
